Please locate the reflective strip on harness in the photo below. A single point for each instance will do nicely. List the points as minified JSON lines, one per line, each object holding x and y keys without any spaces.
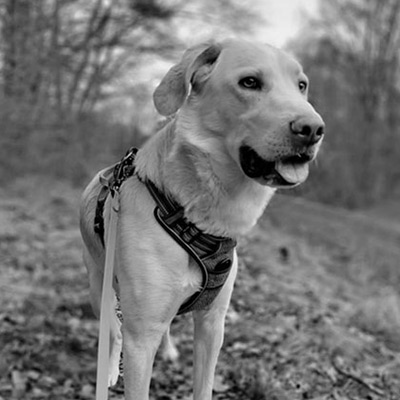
{"x":213,"y":255}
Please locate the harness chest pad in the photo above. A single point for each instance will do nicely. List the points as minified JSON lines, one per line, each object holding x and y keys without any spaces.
{"x":213,"y":254}
{"x":218,"y":266}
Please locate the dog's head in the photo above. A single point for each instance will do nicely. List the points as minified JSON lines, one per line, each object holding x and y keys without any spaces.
{"x":253,"y":98}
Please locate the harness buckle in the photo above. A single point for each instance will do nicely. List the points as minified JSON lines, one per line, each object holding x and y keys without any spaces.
{"x":111,"y":180}
{"x":190,"y":233}
{"x":174,"y":217}
{"x":124,"y":169}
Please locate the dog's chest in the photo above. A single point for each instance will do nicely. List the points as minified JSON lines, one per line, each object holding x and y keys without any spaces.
{"x":237,"y":214}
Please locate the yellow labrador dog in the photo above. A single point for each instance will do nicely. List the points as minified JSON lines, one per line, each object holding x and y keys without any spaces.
{"x":240,"y":128}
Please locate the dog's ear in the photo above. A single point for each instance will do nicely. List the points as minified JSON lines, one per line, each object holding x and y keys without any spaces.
{"x":193,"y":69}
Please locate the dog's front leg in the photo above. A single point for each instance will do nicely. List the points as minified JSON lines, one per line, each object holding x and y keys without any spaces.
{"x":139,"y":352}
{"x":146,"y":319}
{"x":148,"y":303}
{"x":208,"y":339}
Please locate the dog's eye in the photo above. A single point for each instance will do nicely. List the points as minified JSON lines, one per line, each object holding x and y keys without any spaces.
{"x":302,"y":86}
{"x":250,"y":82}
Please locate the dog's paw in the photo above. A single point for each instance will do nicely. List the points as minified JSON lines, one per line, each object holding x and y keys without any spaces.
{"x":170,"y":352}
{"x":113,"y":375}
{"x":113,"y":368}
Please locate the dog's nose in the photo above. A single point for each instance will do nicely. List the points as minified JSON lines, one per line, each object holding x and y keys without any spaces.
{"x":308,"y":131}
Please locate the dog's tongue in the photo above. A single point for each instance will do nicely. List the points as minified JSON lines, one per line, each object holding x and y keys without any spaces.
{"x":292,"y":172}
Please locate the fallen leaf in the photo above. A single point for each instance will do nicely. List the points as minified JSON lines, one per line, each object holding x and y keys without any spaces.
{"x":19,"y":382}
{"x":87,"y":391}
{"x":219,"y":385}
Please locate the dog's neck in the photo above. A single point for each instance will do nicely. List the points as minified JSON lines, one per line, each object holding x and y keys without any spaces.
{"x":211,"y":187}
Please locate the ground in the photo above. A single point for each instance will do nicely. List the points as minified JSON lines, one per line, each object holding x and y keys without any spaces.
{"x":315,"y":312}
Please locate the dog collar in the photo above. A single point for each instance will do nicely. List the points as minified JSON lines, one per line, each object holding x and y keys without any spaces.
{"x":213,"y":254}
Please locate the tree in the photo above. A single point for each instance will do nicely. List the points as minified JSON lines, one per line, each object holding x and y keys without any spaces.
{"x":61,"y":59}
{"x":354,"y":61}
{"x":61,"y":52}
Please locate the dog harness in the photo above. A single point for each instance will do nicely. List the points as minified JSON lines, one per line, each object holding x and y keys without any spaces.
{"x":213,"y":255}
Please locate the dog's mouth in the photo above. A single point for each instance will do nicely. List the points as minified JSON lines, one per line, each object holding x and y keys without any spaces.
{"x":284,"y":172}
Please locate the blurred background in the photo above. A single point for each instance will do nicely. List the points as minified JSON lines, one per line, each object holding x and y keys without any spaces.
{"x":77,"y":78}
{"x":315,"y":312}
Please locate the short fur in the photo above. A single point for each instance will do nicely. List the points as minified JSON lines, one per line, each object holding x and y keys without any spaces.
{"x":195,"y":158}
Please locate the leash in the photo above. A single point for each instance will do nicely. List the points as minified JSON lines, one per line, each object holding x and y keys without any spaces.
{"x":103,"y":352}
{"x":111,"y":181}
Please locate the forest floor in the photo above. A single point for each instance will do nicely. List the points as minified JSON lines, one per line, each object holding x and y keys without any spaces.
{"x":315,"y":312}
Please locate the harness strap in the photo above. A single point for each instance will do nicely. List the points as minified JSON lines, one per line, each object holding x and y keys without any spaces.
{"x":111,"y":180}
{"x":200,"y":246}
{"x":185,"y":307}
{"x":105,"y":179}
{"x":173,"y":214}
{"x":103,"y":351}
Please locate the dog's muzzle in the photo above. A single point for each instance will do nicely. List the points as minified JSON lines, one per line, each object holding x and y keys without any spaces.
{"x":284,"y":172}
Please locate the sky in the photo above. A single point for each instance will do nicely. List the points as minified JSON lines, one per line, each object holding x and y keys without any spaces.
{"x":284,"y":18}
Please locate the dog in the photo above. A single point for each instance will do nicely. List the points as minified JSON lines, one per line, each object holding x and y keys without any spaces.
{"x":239,"y":128}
